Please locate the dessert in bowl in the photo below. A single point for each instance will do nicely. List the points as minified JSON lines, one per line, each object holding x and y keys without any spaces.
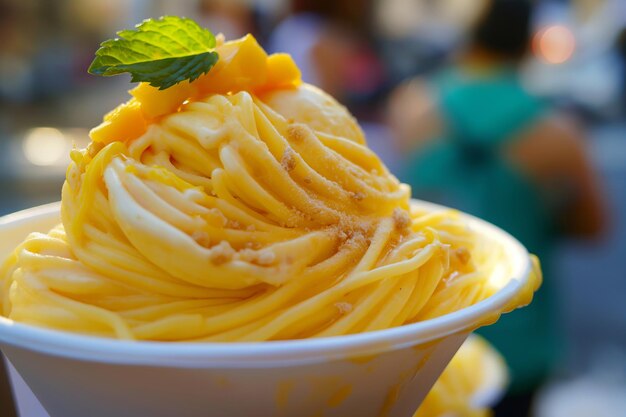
{"x":228,"y":245}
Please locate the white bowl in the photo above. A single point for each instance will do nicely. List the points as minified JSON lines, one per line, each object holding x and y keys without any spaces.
{"x":382,"y":373}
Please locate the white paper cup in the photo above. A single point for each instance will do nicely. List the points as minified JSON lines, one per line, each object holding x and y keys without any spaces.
{"x":376,"y":374}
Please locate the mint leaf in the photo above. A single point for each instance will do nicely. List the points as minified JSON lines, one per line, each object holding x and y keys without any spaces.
{"x":161,"y":52}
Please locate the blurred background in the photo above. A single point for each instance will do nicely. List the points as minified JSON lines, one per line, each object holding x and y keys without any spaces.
{"x":533,"y":96}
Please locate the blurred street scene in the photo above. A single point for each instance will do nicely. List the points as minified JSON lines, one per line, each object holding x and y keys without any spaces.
{"x":384,"y":60}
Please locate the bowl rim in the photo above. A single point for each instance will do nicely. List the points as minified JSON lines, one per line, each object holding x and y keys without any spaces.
{"x":268,"y":353}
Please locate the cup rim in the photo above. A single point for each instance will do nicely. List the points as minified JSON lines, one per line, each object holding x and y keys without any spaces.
{"x":267,"y":353}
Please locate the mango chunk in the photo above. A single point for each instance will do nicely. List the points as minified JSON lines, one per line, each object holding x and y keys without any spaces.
{"x":282,"y":71}
{"x":155,"y":102}
{"x":123,"y":123}
{"x":242,"y":65}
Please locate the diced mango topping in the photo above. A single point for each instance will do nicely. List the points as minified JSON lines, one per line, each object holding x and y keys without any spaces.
{"x":155,"y":102}
{"x":243,"y":65}
{"x":282,"y":72}
{"x":123,"y":123}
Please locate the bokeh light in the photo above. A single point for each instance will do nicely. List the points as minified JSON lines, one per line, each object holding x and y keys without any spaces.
{"x":555,"y":44}
{"x":44,"y":146}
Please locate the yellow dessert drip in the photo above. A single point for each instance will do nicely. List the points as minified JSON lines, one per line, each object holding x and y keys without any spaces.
{"x":475,"y":367}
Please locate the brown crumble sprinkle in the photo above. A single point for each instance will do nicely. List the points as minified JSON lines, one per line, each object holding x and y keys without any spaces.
{"x":234,"y":224}
{"x":296,"y":132}
{"x":358,"y":196}
{"x":221,"y":253}
{"x":343,"y":307}
{"x":288,"y":161}
{"x":201,"y":237}
{"x":266,"y":257}
{"x":401,"y":219}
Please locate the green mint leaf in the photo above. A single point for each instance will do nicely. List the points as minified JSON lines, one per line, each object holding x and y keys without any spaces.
{"x":161,"y":52}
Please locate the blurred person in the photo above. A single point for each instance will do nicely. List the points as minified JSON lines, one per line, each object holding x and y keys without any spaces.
{"x":233,"y":18}
{"x":476,"y":139}
{"x":332,"y":43}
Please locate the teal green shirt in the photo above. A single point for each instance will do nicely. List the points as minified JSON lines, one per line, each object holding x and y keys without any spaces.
{"x":466,"y":169}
